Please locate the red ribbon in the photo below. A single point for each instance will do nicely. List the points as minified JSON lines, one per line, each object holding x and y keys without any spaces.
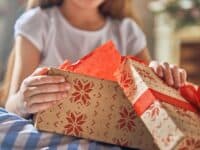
{"x":150,"y":96}
{"x":192,"y":94}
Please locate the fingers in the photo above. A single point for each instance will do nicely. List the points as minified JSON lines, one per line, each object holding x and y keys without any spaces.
{"x":46,"y":88}
{"x":45,"y":79}
{"x":168,"y":74}
{"x":157,"y":68}
{"x":38,"y":107}
{"x":40,"y":71}
{"x":179,"y":76}
{"x":47,"y":97}
{"x":40,"y":91}
{"x":176,"y":76}
{"x":171,"y":74}
{"x":183,"y":76}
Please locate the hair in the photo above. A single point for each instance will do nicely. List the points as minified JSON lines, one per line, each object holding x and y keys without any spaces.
{"x":117,"y":9}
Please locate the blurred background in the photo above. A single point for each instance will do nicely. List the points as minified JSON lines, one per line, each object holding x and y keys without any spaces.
{"x":172,"y":28}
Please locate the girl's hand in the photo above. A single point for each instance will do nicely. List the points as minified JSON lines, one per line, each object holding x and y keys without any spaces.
{"x":171,"y":74}
{"x":38,"y":91}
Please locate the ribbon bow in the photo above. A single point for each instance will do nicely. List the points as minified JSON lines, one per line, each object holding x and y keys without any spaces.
{"x":192,"y":94}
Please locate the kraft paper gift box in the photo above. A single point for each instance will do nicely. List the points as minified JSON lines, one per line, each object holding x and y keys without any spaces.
{"x":171,"y":120}
{"x":96,"y":109}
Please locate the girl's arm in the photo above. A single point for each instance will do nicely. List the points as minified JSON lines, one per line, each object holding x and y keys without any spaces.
{"x":26,"y":60}
{"x":172,"y":74}
{"x":29,"y":91}
{"x":144,"y":55}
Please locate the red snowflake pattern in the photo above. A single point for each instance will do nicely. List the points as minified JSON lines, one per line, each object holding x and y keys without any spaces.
{"x":126,"y":122}
{"x":128,"y":84}
{"x":145,"y":74}
{"x":191,"y":144}
{"x":166,"y":140}
{"x":121,"y":142}
{"x":185,"y":113}
{"x":154,"y":111}
{"x":81,"y":93}
{"x":125,"y":80}
{"x":74,"y":124}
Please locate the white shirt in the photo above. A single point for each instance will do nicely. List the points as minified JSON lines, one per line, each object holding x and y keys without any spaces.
{"x":58,"y":40}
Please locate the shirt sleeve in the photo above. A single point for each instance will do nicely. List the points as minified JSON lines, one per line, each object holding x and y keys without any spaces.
{"x":31,"y":25}
{"x":136,"y":39}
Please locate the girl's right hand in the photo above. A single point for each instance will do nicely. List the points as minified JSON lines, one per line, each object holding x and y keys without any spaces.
{"x":38,"y":91}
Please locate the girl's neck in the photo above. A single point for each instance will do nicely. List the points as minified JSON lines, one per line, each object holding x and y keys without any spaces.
{"x":85,"y":19}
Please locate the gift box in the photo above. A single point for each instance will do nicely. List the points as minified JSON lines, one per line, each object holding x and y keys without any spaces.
{"x":96,"y":107}
{"x":172,"y":121}
{"x":136,"y":112}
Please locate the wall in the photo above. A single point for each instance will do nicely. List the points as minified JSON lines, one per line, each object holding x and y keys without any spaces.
{"x":146,"y":16}
{"x":9,"y":11}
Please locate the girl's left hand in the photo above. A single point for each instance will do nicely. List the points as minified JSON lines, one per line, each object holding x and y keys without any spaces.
{"x":171,"y":74}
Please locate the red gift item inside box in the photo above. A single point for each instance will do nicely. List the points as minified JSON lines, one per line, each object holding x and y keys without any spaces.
{"x":100,"y":63}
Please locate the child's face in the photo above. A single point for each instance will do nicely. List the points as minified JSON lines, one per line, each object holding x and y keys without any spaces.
{"x":87,"y":4}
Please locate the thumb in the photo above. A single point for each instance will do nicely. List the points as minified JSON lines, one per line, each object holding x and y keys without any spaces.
{"x":40,"y":71}
{"x":157,"y":68}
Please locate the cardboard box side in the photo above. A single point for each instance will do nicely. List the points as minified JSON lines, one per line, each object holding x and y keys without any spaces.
{"x":105,"y":114}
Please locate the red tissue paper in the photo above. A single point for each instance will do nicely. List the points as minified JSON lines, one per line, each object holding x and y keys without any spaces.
{"x":100,"y":63}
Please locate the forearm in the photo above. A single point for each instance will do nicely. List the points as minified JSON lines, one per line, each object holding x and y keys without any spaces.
{"x":144,"y":55}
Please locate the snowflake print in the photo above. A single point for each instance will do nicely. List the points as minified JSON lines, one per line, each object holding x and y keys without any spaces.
{"x":127,"y":83}
{"x":126,"y":122}
{"x":74,"y":124}
{"x":145,"y":74}
{"x":166,"y":140}
{"x":121,"y":142}
{"x":126,"y":80}
{"x":191,"y":144}
{"x":81,"y":93}
{"x":154,"y":111}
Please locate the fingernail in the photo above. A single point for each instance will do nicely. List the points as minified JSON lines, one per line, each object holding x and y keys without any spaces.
{"x":62,"y":79}
{"x":62,"y":99}
{"x":54,"y":103}
{"x":65,"y":95}
{"x":67,"y":86}
{"x":171,"y":82}
{"x":177,"y":86}
{"x":182,"y":84}
{"x":25,"y":103}
{"x":161,"y":75}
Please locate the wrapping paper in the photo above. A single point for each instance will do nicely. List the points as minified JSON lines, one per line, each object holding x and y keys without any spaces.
{"x":96,"y":107}
{"x":172,"y":121}
{"x":142,"y":111}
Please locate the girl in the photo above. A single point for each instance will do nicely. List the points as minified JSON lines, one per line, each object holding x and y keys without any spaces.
{"x":55,"y":30}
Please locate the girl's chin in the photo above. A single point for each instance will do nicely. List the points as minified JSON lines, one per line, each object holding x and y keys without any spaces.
{"x":88,"y":4}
